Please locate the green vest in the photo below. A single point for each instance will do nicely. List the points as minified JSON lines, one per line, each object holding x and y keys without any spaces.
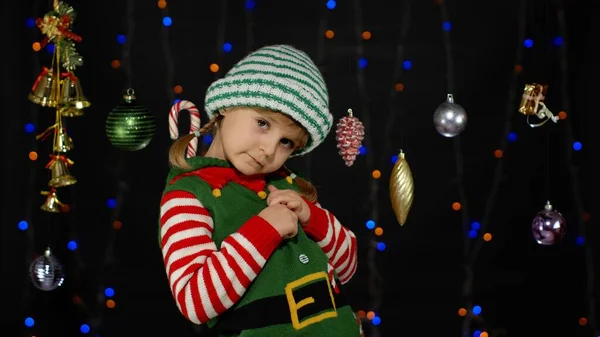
{"x":297,"y":263}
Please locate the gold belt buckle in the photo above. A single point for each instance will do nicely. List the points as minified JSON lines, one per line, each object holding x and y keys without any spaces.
{"x":296,"y":305}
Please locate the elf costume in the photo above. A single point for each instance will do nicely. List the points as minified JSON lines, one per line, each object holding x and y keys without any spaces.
{"x":228,"y":267}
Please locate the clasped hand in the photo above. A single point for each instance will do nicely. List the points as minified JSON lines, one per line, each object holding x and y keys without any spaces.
{"x":292,"y":200}
{"x":285,"y":208}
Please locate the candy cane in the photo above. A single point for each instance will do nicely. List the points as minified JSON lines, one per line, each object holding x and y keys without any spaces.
{"x":194,"y":123}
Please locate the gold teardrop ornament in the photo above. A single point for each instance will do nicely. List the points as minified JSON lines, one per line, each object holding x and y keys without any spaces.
{"x":401,"y":188}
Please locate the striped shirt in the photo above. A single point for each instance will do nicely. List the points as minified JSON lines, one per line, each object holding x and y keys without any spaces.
{"x":206,"y":280}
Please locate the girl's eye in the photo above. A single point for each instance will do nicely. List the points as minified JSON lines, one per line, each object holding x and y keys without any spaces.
{"x":287,"y":143}
{"x":262,"y":123}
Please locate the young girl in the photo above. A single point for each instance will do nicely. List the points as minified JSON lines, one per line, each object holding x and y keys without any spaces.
{"x":247,"y":248}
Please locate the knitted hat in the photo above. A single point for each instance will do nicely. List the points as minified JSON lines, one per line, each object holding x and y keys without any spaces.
{"x":280,"y":78}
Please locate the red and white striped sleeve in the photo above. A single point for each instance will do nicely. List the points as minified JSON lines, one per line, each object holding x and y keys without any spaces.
{"x":337,"y":241}
{"x":206,"y":280}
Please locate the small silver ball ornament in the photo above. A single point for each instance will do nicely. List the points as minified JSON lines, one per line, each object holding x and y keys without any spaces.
{"x":450,"y":119}
{"x":46,"y":272}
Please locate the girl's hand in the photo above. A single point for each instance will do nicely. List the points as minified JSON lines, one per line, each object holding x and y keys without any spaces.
{"x":292,"y":200}
{"x":284,"y":220}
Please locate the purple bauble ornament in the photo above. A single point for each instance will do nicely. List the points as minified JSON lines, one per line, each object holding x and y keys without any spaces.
{"x":548,"y":226}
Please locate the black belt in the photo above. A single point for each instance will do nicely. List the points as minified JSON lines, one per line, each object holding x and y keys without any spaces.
{"x":298,"y":306}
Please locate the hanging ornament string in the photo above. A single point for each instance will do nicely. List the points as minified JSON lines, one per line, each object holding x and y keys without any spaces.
{"x":126,"y":63}
{"x":375,"y":278}
{"x":401,"y":185}
{"x":194,"y":123}
{"x":456,"y":140}
{"x":59,"y":88}
{"x":129,"y":126}
{"x":543,"y":34}
{"x":70,"y":104}
{"x":534,"y":94}
{"x":467,"y":287}
{"x":590,"y":291}
{"x":56,"y":87}
{"x":397,"y":86}
{"x":549,"y":115}
{"x":548,"y":226}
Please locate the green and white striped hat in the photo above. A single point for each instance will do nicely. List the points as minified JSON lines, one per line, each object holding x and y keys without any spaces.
{"x":280,"y":78}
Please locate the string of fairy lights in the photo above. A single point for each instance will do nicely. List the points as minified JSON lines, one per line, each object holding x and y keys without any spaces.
{"x":167,"y":21}
{"x":173,"y":88}
{"x":223,"y":47}
{"x":320,"y":56}
{"x":400,"y":65}
{"x":221,"y":33}
{"x":471,"y":310}
{"x":375,"y":279}
{"x":462,"y":203}
{"x":106,"y":294}
{"x":31,"y":202}
{"x":580,"y":214}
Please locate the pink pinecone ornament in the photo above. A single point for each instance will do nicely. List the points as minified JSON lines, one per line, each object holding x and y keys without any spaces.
{"x":349,"y":134}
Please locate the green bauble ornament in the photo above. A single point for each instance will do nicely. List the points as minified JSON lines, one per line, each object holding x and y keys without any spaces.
{"x":130,"y":126}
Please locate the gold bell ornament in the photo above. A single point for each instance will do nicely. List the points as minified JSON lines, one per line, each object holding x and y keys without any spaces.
{"x":72,"y":97}
{"x":62,"y":142}
{"x":401,"y":188}
{"x":44,"y":90}
{"x":59,"y":166}
{"x":52,"y":204}
{"x":532,"y":104}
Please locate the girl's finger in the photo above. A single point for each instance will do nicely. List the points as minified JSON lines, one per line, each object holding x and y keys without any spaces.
{"x":278,"y":200}
{"x":293,"y":205}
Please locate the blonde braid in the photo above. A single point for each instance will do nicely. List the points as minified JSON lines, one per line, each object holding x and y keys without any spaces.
{"x":178,"y":149}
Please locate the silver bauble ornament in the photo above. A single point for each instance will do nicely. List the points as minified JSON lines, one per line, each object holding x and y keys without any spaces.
{"x":46,"y":272}
{"x":450,"y":119}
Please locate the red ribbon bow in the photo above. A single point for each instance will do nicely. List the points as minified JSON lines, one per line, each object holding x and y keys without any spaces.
{"x":63,"y":158}
{"x":62,"y":28}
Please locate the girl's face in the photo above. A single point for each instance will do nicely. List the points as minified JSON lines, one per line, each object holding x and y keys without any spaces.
{"x":255,"y":141}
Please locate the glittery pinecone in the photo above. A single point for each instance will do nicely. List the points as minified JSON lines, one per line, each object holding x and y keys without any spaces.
{"x":349,"y":134}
